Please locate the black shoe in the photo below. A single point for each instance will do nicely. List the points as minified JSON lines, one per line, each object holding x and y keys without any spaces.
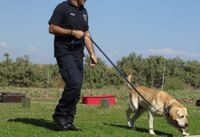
{"x":73,"y":127}
{"x":60,"y":122}
{"x":63,"y":125}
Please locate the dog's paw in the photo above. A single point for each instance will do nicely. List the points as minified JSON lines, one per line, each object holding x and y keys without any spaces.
{"x":185,"y":134}
{"x":151,"y":132}
{"x":130,"y":124}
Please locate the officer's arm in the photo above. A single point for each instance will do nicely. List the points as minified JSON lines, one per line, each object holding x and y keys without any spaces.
{"x":57,"y":30}
{"x":90,"y":48}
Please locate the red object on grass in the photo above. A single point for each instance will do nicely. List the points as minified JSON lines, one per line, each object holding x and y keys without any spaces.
{"x":96,"y":100}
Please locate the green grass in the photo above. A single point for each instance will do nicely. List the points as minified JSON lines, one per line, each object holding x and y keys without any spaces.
{"x":36,"y":121}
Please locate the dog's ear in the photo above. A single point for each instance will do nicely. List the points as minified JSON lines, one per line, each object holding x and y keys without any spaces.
{"x":186,"y":111}
{"x":173,"y":112}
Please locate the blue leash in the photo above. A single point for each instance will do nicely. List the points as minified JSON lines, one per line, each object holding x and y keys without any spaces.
{"x":121,"y":73}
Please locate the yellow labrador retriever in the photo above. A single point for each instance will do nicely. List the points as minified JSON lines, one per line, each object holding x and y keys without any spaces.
{"x":163,"y":104}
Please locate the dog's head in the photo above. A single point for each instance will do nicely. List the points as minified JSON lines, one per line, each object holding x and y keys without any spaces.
{"x":178,"y":116}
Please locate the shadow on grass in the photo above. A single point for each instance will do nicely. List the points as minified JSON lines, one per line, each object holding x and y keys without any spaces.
{"x":36,"y":122}
{"x":160,"y":133}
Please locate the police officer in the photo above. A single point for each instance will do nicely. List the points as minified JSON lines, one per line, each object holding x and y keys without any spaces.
{"x":69,"y":24}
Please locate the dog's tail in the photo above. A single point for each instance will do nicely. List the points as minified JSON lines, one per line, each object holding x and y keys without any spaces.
{"x":129,"y":79}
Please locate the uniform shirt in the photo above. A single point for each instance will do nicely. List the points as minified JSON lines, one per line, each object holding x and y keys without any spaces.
{"x":68,"y":16}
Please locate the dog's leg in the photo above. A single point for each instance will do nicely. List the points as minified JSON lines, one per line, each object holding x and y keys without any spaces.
{"x":132,"y":108}
{"x":184,"y":133}
{"x":150,"y":117}
{"x":128,"y":116}
{"x":136,"y":116}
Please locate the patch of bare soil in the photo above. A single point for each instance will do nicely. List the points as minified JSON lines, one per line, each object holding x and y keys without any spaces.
{"x":190,"y":100}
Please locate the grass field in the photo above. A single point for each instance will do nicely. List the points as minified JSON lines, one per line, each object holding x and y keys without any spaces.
{"x":36,"y":121}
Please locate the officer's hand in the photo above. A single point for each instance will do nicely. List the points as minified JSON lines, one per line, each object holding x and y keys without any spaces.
{"x":77,"y":34}
{"x":93,"y":60}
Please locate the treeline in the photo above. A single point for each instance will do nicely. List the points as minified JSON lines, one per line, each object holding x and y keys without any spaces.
{"x":154,"y":71}
{"x":22,"y":73}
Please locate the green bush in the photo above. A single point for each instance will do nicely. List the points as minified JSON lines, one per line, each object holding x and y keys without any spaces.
{"x":174,"y":83}
{"x":146,"y":71}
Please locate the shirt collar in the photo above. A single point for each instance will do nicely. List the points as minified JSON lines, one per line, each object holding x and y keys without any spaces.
{"x":71,"y":4}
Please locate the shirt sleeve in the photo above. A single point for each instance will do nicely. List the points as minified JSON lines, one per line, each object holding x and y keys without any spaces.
{"x":57,"y":16}
{"x":87,"y":26}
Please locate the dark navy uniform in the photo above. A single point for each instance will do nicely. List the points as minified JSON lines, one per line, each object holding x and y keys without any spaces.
{"x":69,"y":54}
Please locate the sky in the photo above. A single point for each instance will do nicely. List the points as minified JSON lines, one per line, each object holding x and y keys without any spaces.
{"x":170,"y":28}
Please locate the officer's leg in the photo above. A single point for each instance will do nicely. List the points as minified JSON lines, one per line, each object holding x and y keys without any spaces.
{"x":72,"y":112}
{"x":72,"y":75}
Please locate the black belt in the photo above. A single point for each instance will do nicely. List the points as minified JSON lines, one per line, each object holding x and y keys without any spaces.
{"x":71,"y":43}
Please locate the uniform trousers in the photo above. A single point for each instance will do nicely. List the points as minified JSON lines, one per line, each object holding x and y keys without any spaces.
{"x":71,"y":70}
